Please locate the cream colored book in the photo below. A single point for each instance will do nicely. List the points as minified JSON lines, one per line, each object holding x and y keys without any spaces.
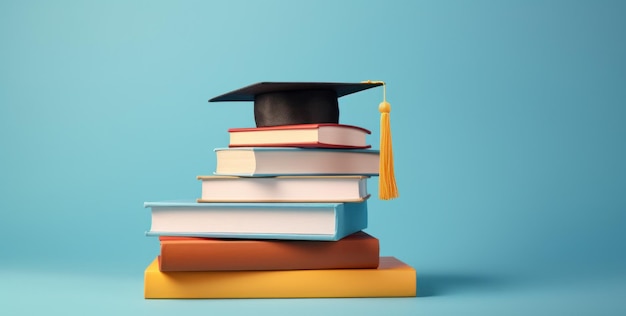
{"x":282,"y":161}
{"x":284,"y":189}
{"x":327,"y":135}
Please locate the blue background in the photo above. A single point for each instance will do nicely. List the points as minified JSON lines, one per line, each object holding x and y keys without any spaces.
{"x":508,"y":122}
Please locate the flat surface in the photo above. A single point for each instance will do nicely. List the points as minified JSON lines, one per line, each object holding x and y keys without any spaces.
{"x":508,"y":124}
{"x":439,"y":293}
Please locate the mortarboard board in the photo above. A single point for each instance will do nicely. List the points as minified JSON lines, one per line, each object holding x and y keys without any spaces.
{"x":290,"y":103}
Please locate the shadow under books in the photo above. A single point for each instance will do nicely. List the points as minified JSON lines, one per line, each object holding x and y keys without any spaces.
{"x":438,"y":284}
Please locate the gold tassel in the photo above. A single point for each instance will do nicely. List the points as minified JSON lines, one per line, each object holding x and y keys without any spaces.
{"x":387,"y":188}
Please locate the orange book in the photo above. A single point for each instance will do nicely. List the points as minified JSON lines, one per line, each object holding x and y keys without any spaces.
{"x":356,"y":251}
{"x":392,"y":278}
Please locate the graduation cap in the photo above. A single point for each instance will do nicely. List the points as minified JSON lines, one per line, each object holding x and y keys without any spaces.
{"x":290,"y":103}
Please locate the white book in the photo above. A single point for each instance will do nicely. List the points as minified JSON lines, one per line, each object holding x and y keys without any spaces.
{"x":297,"y":221}
{"x":277,"y":161}
{"x":283,"y":189}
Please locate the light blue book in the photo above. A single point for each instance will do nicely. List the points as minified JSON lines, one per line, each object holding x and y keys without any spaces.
{"x":275,"y":161}
{"x":296,"y":221}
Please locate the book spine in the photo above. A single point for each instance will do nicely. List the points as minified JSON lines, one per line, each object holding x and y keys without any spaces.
{"x":351,"y":217}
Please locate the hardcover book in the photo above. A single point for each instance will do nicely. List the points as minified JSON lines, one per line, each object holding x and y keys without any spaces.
{"x":284,"y":189}
{"x":392,"y":278}
{"x":297,"y":221}
{"x":356,"y":251}
{"x":273,"y":161}
{"x":328,"y":135}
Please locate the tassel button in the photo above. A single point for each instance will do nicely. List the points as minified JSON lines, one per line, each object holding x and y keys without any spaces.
{"x":384,"y":107}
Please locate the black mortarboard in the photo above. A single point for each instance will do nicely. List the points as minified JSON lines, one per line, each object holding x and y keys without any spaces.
{"x":290,"y":103}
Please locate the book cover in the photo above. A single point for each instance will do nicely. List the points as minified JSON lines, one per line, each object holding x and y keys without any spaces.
{"x":392,"y":278}
{"x":275,"y":161}
{"x":297,"y":221}
{"x":328,"y":135}
{"x":283,"y":189}
{"x":356,"y":251}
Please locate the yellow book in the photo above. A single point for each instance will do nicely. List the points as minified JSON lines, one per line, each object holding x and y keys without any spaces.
{"x":393,"y":278}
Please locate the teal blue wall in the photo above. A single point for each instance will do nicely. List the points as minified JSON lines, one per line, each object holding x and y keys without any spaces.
{"x":508,"y":122}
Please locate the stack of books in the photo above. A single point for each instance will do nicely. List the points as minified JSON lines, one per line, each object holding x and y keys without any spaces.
{"x":276,"y":222}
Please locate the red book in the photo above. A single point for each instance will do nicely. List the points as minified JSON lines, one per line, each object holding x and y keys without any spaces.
{"x":327,"y":135}
{"x":355,"y":251}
